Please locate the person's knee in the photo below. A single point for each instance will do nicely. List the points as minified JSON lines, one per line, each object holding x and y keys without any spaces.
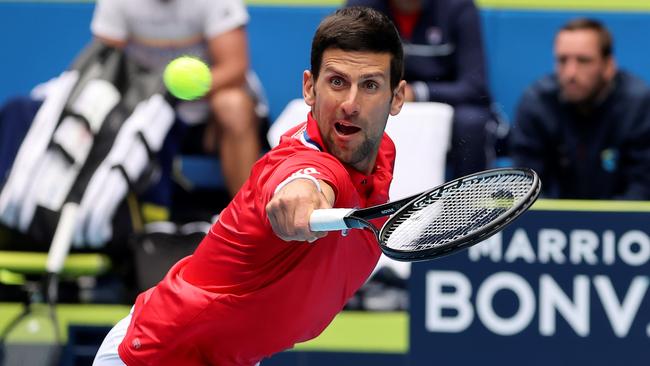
{"x":233,"y":109}
{"x":469,"y":139}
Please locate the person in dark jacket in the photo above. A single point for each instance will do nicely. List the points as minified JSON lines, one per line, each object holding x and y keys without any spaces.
{"x":586,"y":128}
{"x":445,"y":62}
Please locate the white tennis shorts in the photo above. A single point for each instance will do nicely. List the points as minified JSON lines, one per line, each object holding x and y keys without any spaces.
{"x":107,"y":354}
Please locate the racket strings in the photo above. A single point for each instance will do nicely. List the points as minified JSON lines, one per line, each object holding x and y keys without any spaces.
{"x":456,"y":211}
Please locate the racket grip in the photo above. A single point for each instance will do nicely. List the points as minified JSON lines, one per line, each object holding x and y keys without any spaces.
{"x":330,"y":219}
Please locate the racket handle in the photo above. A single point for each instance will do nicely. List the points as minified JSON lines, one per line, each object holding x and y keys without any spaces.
{"x":330,"y":219}
{"x":62,"y":238}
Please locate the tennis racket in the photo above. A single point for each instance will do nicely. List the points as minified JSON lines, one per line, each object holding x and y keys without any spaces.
{"x":443,"y":220}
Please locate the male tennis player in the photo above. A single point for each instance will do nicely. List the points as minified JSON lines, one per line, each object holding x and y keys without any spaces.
{"x":256,"y":285}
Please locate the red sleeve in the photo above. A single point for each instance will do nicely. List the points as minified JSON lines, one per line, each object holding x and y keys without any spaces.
{"x":319,"y":165}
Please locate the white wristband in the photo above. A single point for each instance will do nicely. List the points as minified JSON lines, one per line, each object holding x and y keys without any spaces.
{"x":295,"y":176}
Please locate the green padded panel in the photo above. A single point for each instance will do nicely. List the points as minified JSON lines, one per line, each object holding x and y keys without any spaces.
{"x":351,"y":331}
{"x":34,"y":263}
{"x":589,"y":205}
{"x":363,"y":331}
{"x":68,"y":314}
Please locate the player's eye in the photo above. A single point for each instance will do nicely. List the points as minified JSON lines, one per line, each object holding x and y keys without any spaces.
{"x":583,"y":60}
{"x":371,"y":85}
{"x":336,"y":82}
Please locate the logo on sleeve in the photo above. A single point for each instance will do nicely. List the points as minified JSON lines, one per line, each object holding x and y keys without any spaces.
{"x":308,"y":171}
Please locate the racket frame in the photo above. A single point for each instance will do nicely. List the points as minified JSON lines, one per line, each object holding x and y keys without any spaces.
{"x":484,"y":233}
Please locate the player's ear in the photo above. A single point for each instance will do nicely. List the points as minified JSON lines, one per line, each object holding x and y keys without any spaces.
{"x":308,"y":87}
{"x":399,"y":96}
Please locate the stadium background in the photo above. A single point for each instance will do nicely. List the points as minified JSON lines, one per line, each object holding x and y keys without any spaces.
{"x":40,"y":38}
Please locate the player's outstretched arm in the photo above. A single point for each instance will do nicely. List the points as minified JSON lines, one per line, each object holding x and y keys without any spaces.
{"x":291,"y":206}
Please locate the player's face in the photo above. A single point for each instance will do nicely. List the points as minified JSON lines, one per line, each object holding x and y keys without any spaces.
{"x":582,"y":71}
{"x":351,"y":101}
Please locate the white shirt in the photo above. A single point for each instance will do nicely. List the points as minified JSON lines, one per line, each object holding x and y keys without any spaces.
{"x":158,"y":31}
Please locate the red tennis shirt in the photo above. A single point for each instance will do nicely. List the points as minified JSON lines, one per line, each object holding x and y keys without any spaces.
{"x":245,"y":294}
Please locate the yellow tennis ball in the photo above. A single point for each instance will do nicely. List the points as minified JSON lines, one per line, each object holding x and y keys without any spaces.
{"x":187,"y":78}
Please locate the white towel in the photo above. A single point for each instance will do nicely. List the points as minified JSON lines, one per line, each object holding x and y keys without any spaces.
{"x":54,"y":175}
{"x":33,"y":147}
{"x":108,"y":187}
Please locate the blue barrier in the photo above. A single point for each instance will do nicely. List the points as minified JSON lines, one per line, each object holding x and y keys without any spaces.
{"x":40,"y":40}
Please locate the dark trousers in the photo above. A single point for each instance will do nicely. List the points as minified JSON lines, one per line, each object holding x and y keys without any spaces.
{"x":469,"y":140}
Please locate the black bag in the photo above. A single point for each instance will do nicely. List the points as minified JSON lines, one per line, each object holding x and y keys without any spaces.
{"x":135,"y":84}
{"x":156,"y":251}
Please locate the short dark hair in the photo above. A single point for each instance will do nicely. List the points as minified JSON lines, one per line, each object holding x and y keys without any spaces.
{"x":604,"y":37}
{"x":359,"y":29}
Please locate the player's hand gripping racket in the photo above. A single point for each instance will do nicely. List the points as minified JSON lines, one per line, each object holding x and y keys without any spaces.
{"x":445,"y":219}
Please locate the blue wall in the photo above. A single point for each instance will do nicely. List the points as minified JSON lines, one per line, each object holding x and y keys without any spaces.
{"x":39,"y":40}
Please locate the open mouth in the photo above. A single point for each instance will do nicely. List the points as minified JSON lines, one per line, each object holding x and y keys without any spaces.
{"x":346,"y":129}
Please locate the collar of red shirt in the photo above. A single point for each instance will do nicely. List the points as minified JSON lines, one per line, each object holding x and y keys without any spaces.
{"x":382,"y":173}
